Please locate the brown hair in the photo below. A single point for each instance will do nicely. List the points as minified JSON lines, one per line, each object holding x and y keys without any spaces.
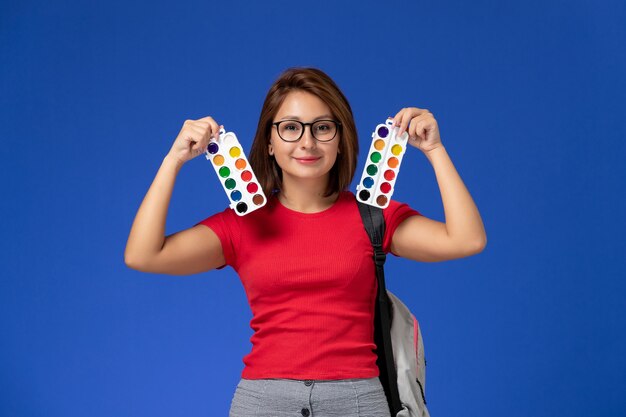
{"x":314,"y":81}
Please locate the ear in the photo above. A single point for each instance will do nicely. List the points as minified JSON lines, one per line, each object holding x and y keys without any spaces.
{"x":270,"y":149}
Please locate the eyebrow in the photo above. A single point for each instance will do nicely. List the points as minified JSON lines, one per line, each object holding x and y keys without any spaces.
{"x":290,"y":117}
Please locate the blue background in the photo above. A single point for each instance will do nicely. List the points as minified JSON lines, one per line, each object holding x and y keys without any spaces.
{"x":530,"y":100}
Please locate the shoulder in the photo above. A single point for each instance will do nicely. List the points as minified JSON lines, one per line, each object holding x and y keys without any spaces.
{"x":225,"y":216}
{"x":395,"y":214}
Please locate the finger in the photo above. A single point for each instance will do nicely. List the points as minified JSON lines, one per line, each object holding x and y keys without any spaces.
{"x":210,"y":125}
{"x":420,"y":129}
{"x":196,"y":137}
{"x":416,"y":120}
{"x":418,"y":112}
{"x":208,"y":119}
{"x":412,"y":129}
{"x":404,"y":122}
{"x":200,"y":134}
{"x":198,"y":128}
{"x":215,"y":130}
{"x":196,"y":145}
{"x":202,"y":123}
{"x":193,"y":144}
{"x":195,"y":125}
{"x":398,"y":117}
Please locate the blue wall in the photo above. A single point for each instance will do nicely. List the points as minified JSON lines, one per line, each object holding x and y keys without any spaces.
{"x":530,"y":100}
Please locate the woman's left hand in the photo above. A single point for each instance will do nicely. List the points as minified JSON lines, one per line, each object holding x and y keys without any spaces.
{"x":422,"y":128}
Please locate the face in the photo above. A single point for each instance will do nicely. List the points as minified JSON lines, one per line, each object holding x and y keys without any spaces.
{"x":306,"y":159}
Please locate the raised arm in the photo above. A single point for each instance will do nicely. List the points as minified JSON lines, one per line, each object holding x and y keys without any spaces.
{"x":190,"y":251}
{"x":463,"y":233}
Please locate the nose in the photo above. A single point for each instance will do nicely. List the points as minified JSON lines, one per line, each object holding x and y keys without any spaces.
{"x":307,"y":140}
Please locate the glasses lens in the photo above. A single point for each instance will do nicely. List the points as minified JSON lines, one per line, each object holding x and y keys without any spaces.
{"x":324,"y":130}
{"x":290,"y":130}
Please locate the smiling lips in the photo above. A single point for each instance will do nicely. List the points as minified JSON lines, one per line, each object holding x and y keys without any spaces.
{"x":307,"y":160}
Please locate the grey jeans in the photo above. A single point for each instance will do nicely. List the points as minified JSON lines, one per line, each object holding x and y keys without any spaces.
{"x":309,"y":398}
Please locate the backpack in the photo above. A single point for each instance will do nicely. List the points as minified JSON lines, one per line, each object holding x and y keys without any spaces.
{"x":397,"y":334}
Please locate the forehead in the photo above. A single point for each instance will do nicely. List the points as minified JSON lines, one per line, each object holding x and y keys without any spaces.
{"x":302,"y":105}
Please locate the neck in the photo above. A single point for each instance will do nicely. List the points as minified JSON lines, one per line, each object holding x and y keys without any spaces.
{"x":305,"y":196}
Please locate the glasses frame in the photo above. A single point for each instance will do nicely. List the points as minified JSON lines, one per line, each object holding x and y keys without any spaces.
{"x":304,"y":125}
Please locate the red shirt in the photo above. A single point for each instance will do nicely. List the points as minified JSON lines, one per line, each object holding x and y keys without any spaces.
{"x":311,"y":284}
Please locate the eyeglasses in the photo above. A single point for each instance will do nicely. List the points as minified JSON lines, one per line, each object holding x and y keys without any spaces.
{"x":292,"y":130}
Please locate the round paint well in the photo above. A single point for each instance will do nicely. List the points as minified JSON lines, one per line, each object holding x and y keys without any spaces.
{"x":246,"y":176}
{"x":218,"y":160}
{"x":234,"y":152}
{"x":396,"y":150}
{"x":364,"y":195}
{"x":242,"y":207}
{"x":224,"y":172}
{"x":230,"y":183}
{"x":379,"y":145}
{"x":258,"y":199}
{"x":213,"y":148}
{"x":381,"y":200}
{"x":393,"y":162}
{"x":368,"y":182}
{"x":385,"y":187}
{"x":375,"y":157}
{"x":235,"y":195}
{"x":252,"y":188}
{"x":240,"y":163}
{"x":383,"y":132}
{"x":372,"y":170}
{"x":389,"y":175}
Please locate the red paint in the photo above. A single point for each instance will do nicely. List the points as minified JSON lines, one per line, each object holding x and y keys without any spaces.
{"x":246,"y":176}
{"x":252,"y":188}
{"x":389,"y":175}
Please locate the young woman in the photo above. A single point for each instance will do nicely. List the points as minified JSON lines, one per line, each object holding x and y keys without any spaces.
{"x":305,"y":259}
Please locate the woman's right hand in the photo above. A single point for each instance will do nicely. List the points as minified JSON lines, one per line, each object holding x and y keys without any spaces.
{"x":193,"y":138}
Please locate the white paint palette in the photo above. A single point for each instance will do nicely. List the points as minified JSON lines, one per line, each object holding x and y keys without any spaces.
{"x":235,"y":173}
{"x":383,"y":163}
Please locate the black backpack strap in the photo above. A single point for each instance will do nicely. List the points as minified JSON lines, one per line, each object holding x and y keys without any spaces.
{"x":374,"y":223}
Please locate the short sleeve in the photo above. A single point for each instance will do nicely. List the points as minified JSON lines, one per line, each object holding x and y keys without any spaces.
{"x":394,"y":214}
{"x":224,"y":224}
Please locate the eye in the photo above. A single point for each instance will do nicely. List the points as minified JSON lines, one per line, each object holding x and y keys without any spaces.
{"x":290,"y":126}
{"x":323,"y":127}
